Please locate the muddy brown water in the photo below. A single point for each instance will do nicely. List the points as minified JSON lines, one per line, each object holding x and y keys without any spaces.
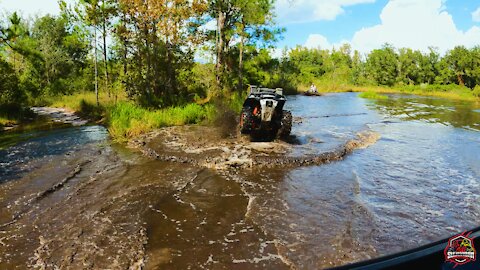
{"x":359,"y":179}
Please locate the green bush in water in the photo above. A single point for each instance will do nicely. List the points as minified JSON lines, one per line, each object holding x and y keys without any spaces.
{"x":372,"y":95}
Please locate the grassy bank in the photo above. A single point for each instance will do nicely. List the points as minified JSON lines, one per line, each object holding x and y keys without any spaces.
{"x":5,"y":121}
{"x":126,"y":120}
{"x":11,"y":114}
{"x":372,"y":95}
{"x":444,"y":91}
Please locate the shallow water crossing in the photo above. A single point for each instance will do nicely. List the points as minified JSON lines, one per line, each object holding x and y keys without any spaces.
{"x":359,"y":179}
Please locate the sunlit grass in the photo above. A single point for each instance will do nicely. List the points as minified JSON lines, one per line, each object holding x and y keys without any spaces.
{"x":443,"y":91}
{"x":74,"y":102}
{"x":7,"y":122}
{"x":127,"y":120}
{"x":372,"y":95}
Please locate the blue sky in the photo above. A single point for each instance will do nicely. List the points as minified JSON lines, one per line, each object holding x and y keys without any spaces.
{"x":365,"y":24}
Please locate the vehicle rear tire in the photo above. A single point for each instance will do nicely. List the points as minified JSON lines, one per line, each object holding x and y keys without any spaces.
{"x":246,"y":120}
{"x":286,"y":127}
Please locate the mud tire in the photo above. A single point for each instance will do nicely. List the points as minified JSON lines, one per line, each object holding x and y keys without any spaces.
{"x":286,"y":127}
{"x":246,"y":118}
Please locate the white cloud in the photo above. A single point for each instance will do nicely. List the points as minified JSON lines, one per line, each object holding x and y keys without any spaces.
{"x":476,"y":15}
{"x":277,"y":52}
{"x":413,"y":24}
{"x":315,"y":41}
{"x":294,"y":11}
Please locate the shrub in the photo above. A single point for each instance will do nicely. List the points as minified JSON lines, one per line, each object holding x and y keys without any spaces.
{"x":476,"y":91}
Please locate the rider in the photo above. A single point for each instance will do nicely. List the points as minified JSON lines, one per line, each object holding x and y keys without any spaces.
{"x":313,"y":88}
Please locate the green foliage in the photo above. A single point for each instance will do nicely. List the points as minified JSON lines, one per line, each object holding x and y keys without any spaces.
{"x":200,"y":82}
{"x":48,"y":56}
{"x":57,"y":61}
{"x":476,"y":91}
{"x":382,"y":65}
{"x":235,"y":101}
{"x":127,"y":120}
{"x":92,"y":111}
{"x":62,"y":54}
{"x":9,"y":85}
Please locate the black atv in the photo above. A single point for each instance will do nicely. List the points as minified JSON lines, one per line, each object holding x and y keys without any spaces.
{"x":263,"y":114}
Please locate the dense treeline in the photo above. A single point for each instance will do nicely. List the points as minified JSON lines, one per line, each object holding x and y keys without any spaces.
{"x":386,"y":66}
{"x":148,"y":52}
{"x":145,"y":49}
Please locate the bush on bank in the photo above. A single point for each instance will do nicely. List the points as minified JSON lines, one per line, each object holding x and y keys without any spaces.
{"x":372,"y":95}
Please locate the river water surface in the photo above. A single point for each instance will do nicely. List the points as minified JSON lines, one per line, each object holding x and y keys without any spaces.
{"x":71,"y":198}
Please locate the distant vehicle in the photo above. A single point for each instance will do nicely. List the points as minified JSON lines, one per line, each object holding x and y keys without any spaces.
{"x":263,"y":113}
{"x":312,"y":91}
{"x":308,"y":93}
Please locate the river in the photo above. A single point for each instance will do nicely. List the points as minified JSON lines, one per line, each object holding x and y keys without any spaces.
{"x":72,"y":198}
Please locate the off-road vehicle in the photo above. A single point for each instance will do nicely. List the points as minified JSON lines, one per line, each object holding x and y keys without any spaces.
{"x":263,"y":113}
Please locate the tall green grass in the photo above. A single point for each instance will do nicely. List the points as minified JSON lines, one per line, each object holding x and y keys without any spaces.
{"x":127,"y":120}
{"x":12,"y":114}
{"x":372,"y":95}
{"x":77,"y":101}
{"x":450,"y":91}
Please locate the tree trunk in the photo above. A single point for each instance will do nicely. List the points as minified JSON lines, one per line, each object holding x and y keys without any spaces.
{"x":95,"y":60}
{"x":240,"y":65}
{"x":147,"y":58}
{"x":460,"y":79}
{"x":220,"y":44}
{"x":125,"y":55}
{"x":104,"y":35}
{"x":14,"y":62}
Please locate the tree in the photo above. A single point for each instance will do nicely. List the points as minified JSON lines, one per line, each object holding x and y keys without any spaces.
{"x":107,"y":11}
{"x":59,"y":54}
{"x":255,"y":23}
{"x":460,"y":62}
{"x":11,"y":34}
{"x":307,"y":64}
{"x":359,"y":76}
{"x":88,"y":11}
{"x":409,"y":70}
{"x":246,"y":21}
{"x":428,"y":66}
{"x":161,"y":42}
{"x":9,"y":90}
{"x":474,"y":71}
{"x":382,"y":65}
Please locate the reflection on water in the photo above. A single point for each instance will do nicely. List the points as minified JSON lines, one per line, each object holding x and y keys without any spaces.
{"x":420,"y":182}
{"x":431,"y":110}
{"x":39,"y":144}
